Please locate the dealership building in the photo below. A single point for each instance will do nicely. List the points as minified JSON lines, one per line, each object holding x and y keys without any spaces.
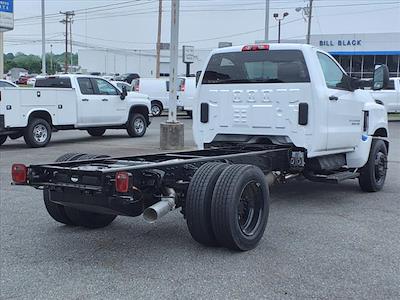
{"x":358,"y":53}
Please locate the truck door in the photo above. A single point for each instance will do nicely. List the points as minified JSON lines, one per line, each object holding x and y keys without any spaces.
{"x":344,"y":109}
{"x":88,"y":111}
{"x":112,"y":108}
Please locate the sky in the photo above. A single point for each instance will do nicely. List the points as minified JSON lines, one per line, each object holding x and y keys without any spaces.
{"x":129,"y":25}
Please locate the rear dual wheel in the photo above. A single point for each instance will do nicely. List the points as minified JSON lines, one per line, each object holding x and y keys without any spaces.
{"x":227,"y":205}
{"x":72,"y":216}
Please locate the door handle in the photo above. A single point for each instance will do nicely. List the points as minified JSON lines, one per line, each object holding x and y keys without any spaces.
{"x":85,"y":99}
{"x":104,"y":99}
{"x":333,"y":98}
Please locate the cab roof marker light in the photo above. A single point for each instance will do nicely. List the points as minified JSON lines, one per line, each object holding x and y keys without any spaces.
{"x":256,"y":47}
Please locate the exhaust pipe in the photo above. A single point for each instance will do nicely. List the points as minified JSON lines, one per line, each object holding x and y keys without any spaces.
{"x":161,"y":208}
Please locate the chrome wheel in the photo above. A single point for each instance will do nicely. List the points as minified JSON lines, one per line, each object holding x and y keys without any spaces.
{"x":138,"y":126}
{"x":155,"y":110}
{"x":40,"y":133}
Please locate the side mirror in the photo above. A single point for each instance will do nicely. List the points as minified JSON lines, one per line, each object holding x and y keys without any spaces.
{"x":198,"y":74}
{"x":124,"y":93}
{"x":381,"y":77}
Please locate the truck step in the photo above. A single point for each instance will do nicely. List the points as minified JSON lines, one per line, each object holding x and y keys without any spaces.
{"x":339,"y":177}
{"x":334,"y":178}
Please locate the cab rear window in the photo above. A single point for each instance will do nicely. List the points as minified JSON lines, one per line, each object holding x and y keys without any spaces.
{"x":273,"y":66}
{"x":53,"y":82}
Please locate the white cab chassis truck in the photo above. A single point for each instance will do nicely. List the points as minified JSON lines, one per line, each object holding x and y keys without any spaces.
{"x":70,"y":102}
{"x":263,"y":113}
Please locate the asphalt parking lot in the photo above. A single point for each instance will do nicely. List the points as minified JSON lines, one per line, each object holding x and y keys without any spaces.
{"x":322,"y":241}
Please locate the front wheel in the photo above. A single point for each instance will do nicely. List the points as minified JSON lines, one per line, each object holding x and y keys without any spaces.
{"x":156,"y":109}
{"x":37,"y":133}
{"x":136,"y":126}
{"x":373,"y":174}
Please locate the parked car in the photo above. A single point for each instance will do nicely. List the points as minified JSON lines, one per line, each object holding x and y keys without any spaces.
{"x":128,"y":77}
{"x":31,"y":81}
{"x":23,"y":80}
{"x":6,"y":83}
{"x":70,"y":102}
{"x":121,"y":84}
{"x":389,"y":96}
{"x":187,"y":93}
{"x":158,"y":91}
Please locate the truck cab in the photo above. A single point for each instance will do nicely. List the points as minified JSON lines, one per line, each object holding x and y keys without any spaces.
{"x":286,"y":94}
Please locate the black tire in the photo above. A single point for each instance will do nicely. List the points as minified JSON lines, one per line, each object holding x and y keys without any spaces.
{"x":240,"y":207}
{"x":156,"y":109}
{"x":3,"y":138}
{"x":37,"y":133}
{"x":73,"y":216}
{"x":190,"y":114}
{"x":137,"y":125}
{"x":56,"y":211}
{"x":96,"y":131}
{"x":88,"y":219}
{"x":373,"y":174}
{"x":198,"y":202}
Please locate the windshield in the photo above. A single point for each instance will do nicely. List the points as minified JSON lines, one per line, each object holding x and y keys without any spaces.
{"x":274,"y":66}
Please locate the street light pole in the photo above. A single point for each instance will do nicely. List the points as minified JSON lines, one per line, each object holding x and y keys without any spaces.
{"x":276,"y":16}
{"x":266,"y":37}
{"x":51,"y":58}
{"x":159,"y":39}
{"x":279,"y":31}
{"x":43,"y":40}
{"x":173,"y":67}
{"x":172,"y":132}
{"x":309,"y":22}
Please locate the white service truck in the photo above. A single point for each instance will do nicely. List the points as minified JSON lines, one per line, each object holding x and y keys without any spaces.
{"x":262,"y":113}
{"x":390,"y":95}
{"x":70,"y":102}
{"x":158,"y":91}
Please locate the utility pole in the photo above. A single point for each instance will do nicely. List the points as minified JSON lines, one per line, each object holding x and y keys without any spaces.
{"x":159,"y":39}
{"x":51,"y":58}
{"x":43,"y":40}
{"x":66,"y":21}
{"x":172,"y":132}
{"x":266,"y":37}
{"x":1,"y":55}
{"x":70,"y":41}
{"x":309,"y":22}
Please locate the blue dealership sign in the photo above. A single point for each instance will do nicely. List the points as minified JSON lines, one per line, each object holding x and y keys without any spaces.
{"x":7,"y":6}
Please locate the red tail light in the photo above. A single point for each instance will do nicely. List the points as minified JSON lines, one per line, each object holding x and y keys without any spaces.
{"x":256,"y":47}
{"x":136,"y":86}
{"x":183,"y":86}
{"x":19,"y":173}
{"x":122,"y":182}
